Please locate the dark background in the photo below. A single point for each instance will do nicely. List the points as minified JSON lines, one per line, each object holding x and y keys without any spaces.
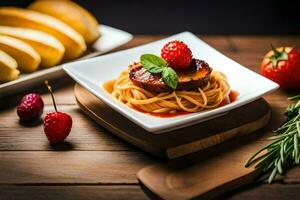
{"x":202,"y":17}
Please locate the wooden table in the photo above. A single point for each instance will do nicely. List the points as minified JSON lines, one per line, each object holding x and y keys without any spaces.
{"x":93,"y":164}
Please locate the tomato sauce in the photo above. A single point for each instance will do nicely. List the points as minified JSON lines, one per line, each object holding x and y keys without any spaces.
{"x":168,"y":115}
{"x":231,"y":98}
{"x":233,"y":95}
{"x":109,"y":86}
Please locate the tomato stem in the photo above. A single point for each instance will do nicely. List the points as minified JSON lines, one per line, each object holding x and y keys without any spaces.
{"x":277,"y":56}
{"x":276,"y":53}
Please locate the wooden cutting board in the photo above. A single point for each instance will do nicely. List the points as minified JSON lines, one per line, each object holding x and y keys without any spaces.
{"x":204,"y":175}
{"x":181,"y":142}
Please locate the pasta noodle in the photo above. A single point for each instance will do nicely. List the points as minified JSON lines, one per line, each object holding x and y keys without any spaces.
{"x":207,"y":97}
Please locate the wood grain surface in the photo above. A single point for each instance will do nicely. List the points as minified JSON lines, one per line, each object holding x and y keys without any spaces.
{"x":93,"y":164}
{"x":211,"y":173}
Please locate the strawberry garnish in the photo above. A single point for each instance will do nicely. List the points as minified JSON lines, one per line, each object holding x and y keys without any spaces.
{"x":177,"y":54}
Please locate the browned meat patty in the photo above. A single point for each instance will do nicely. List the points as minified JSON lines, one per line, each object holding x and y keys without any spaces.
{"x":195,"y":76}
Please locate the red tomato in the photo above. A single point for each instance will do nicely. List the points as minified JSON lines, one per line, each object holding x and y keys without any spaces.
{"x":282,"y":65}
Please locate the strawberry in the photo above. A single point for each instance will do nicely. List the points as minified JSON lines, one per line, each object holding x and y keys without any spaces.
{"x":177,"y":54}
{"x":31,"y":107}
{"x":57,"y":125}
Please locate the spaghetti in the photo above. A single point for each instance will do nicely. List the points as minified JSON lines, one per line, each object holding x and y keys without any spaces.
{"x":207,"y":97}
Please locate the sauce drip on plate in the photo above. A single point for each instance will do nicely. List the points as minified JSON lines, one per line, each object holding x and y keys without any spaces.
{"x":109,"y":86}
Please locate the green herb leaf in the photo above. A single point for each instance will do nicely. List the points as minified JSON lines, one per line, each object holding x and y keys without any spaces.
{"x":170,"y":77}
{"x":294,"y":97}
{"x":273,"y":158}
{"x":153,"y":63}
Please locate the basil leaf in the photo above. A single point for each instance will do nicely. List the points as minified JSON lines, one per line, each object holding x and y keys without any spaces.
{"x":153,"y":63}
{"x":154,"y":69}
{"x":170,"y":77}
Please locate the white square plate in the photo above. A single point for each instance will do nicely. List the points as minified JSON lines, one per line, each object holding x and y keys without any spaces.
{"x":110,"y":39}
{"x":93,"y":73}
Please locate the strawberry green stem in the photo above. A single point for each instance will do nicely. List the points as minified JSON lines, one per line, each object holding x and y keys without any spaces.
{"x":50,"y":89}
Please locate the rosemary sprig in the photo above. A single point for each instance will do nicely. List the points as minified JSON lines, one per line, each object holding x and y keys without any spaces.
{"x":284,"y":148}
